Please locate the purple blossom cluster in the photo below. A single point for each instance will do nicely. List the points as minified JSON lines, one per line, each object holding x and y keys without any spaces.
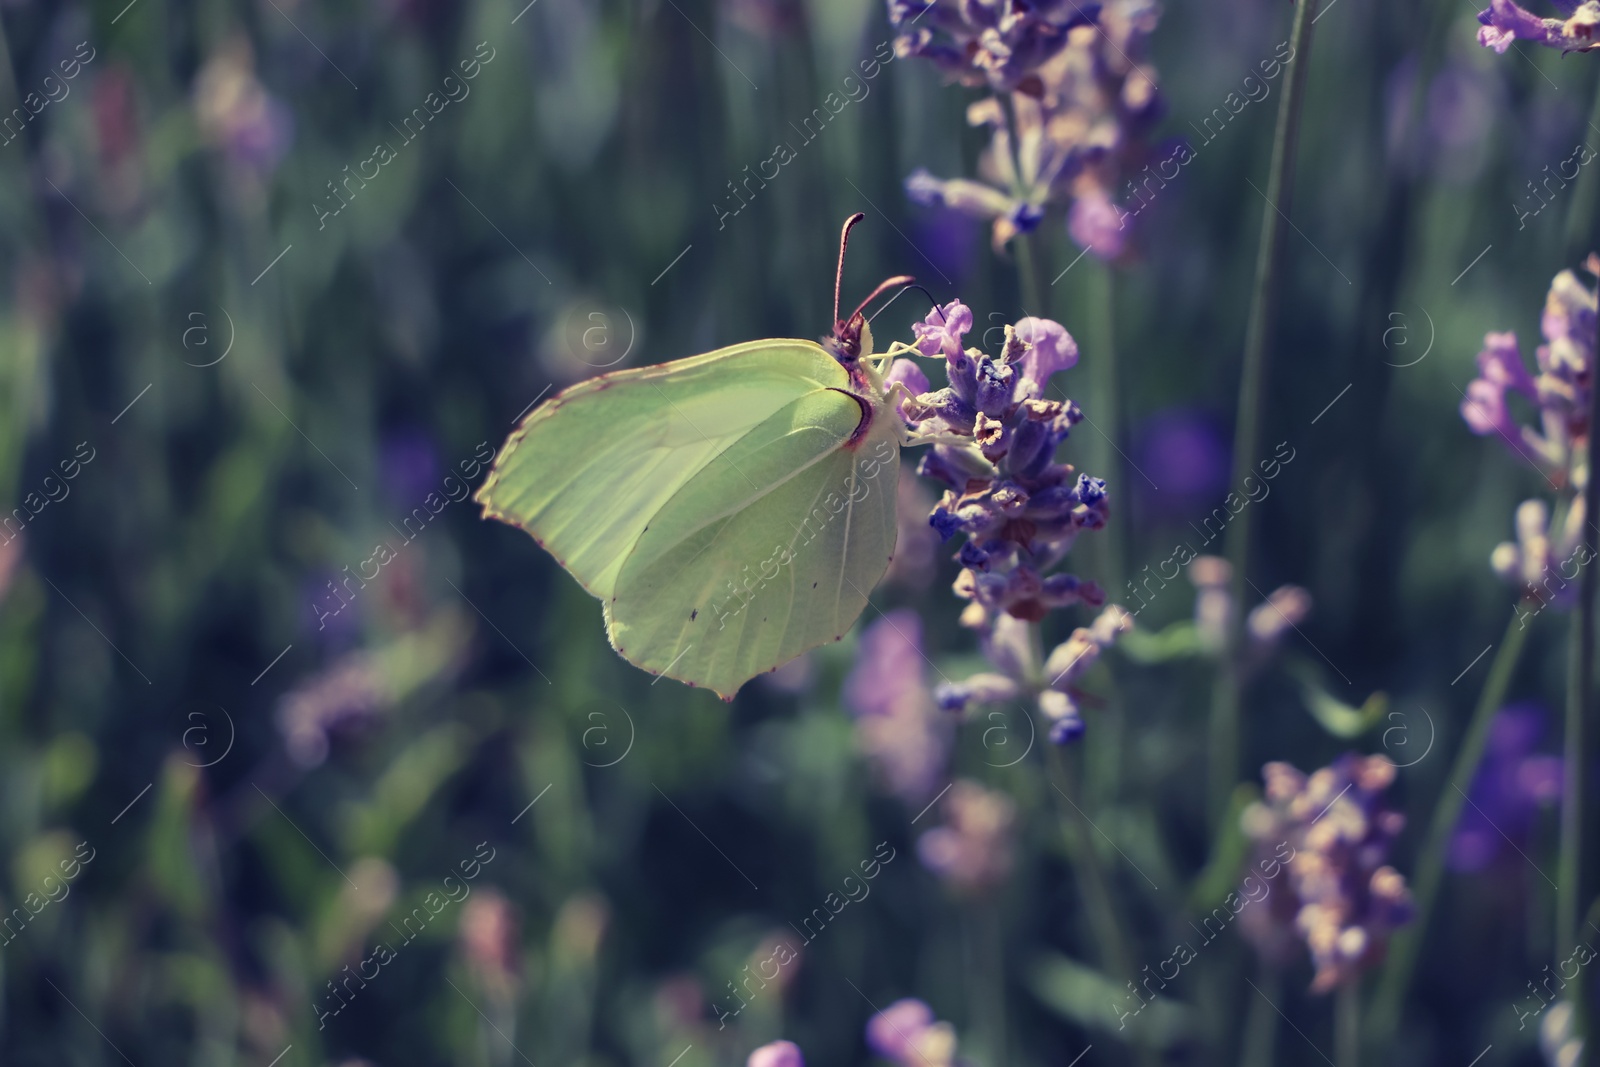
{"x":236,"y":114}
{"x":1343,"y":901}
{"x":1561,"y":390}
{"x":972,"y":850}
{"x":1505,"y":22}
{"x":906,"y":1033}
{"x":998,"y":43}
{"x":1073,"y":99}
{"x":1019,"y":510}
{"x":1512,"y":784}
{"x":1265,"y":627}
{"x":897,"y":726}
{"x":1561,"y":395}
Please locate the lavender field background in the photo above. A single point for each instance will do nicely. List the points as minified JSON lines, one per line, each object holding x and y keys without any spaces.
{"x":304,"y":762}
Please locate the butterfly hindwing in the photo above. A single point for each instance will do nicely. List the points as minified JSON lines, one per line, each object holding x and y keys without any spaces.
{"x":768,"y":551}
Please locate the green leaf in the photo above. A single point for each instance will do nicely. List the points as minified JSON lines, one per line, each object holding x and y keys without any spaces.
{"x":1091,"y":999}
{"x":1338,"y":718}
{"x":1177,"y":641}
{"x":1228,"y":853}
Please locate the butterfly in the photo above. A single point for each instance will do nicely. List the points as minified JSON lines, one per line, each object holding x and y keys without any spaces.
{"x":730,"y":510}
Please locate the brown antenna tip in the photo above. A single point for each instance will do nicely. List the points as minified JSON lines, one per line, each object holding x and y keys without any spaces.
{"x":844,"y":241}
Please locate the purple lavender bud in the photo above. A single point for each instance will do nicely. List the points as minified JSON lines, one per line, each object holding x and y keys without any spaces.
{"x":980,"y":690}
{"x":962,"y":195}
{"x":1026,"y":217}
{"x":992,"y":437}
{"x":907,"y":10}
{"x":1053,"y":503}
{"x":923,"y":188}
{"x":1065,"y":731}
{"x":1033,"y":446}
{"x":973,"y":556}
{"x":1501,"y":362}
{"x":1010,"y":498}
{"x":907,"y":373}
{"x":948,"y":410}
{"x":1062,"y":589}
{"x":1091,"y":491}
{"x":952,"y":467}
{"x":962,"y":372}
{"x":1027,"y":451}
{"x":1484,"y":409}
{"x":945,"y":522}
{"x":996,"y":384}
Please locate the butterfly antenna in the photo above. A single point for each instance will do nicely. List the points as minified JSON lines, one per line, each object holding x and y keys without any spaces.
{"x":902,"y":280}
{"x":908,"y":284}
{"x":844,"y":241}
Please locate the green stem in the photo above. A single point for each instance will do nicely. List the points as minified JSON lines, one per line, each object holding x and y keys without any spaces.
{"x":1347,"y":1024}
{"x":986,"y":985}
{"x":1114,"y":953}
{"x":1106,"y":409}
{"x":1115,"y":957}
{"x":1447,"y":810}
{"x":1568,"y":867}
{"x":1261,"y":1025}
{"x":1224,"y":740}
{"x":1580,"y":216}
{"x":1029,"y":269}
{"x":1571,"y":875}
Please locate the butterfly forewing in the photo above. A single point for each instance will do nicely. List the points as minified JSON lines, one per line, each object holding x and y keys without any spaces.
{"x":586,"y":471}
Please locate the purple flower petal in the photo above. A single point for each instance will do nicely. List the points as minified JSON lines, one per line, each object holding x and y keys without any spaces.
{"x":1099,"y":225}
{"x":1051,"y":349}
{"x":777,"y":1054}
{"x":893,"y":1032}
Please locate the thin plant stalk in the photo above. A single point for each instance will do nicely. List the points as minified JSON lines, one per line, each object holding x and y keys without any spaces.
{"x":1115,"y":956}
{"x":1347,"y":1024}
{"x":1570,"y":872}
{"x":1107,"y":406}
{"x":1261,"y":1024}
{"x":1585,"y":196}
{"x":1224,"y":739}
{"x":1579,"y":682}
{"x":1030,"y":268}
{"x":985,"y":930}
{"x":1030,"y":265}
{"x":1396,"y":980}
{"x":1091,"y":875}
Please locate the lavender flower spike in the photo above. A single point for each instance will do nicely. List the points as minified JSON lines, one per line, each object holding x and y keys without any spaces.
{"x":1019,"y":508}
{"x":1504,"y":22}
{"x":1543,"y":562}
{"x":898,"y":728}
{"x":1332,"y":832}
{"x":972,"y":851}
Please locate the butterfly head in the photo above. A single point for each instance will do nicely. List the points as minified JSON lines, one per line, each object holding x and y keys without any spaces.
{"x":852,"y":338}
